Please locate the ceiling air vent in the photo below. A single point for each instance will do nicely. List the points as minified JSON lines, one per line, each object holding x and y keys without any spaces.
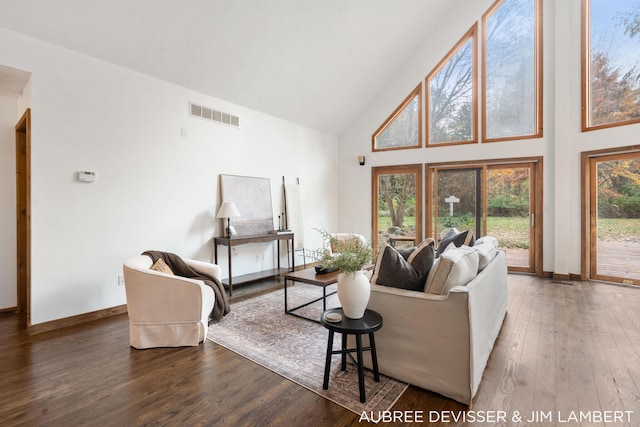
{"x":208,"y":113}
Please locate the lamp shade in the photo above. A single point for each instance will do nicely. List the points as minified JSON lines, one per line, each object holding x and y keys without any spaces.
{"x":228,"y":210}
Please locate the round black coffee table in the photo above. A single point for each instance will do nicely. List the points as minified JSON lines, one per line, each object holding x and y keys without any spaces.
{"x":368,"y":324}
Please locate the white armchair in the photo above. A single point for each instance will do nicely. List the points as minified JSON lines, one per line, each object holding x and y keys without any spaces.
{"x":167,"y":310}
{"x":342,"y":237}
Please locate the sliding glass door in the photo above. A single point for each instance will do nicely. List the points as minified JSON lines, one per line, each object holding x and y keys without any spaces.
{"x":457,"y":200}
{"x":510,"y":213}
{"x":614,"y":212}
{"x":490,"y":199}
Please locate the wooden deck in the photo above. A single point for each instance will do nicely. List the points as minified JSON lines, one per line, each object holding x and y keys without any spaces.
{"x":619,"y":259}
{"x":517,"y":257}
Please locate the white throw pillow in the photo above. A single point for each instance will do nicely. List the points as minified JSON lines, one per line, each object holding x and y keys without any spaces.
{"x":486,"y":252}
{"x":487,"y":240}
{"x":455,"y":267}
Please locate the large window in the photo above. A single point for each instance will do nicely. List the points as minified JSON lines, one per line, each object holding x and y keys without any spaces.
{"x":512,"y":93}
{"x":402,"y":129}
{"x":610,"y":63}
{"x":451,"y":95}
{"x":397,"y":205}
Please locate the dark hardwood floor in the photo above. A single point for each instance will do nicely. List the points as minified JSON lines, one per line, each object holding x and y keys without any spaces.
{"x":563,"y":347}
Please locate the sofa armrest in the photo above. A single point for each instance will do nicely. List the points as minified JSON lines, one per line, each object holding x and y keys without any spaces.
{"x":206,"y":268}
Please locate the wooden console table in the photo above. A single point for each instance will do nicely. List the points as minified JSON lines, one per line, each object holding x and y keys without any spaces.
{"x":243,"y":240}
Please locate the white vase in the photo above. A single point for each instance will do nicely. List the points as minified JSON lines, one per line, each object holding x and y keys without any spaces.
{"x":353,"y":292}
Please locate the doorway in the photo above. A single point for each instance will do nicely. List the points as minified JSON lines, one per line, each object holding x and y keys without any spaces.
{"x":23,"y":215}
{"x":497,"y":198}
{"x":613,"y":231}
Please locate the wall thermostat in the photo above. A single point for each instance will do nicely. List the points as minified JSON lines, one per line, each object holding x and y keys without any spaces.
{"x":85,"y":176}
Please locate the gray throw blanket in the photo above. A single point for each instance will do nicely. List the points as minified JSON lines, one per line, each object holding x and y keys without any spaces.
{"x":180,"y":268}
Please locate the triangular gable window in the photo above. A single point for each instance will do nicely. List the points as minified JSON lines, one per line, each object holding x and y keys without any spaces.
{"x":402,"y":129}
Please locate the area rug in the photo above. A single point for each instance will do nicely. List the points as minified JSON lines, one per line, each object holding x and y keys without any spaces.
{"x":295,"y":348}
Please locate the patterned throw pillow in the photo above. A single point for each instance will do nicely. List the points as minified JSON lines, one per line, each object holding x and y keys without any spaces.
{"x":162,"y":267}
{"x":407,"y":269}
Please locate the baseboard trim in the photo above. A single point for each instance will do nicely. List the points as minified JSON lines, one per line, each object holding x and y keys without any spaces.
{"x":75,"y":320}
{"x":9,"y":310}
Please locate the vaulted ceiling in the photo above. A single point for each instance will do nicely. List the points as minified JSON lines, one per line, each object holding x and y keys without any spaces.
{"x":312,"y":62}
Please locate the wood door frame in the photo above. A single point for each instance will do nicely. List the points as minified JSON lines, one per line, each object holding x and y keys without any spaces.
{"x":23,"y":214}
{"x":392,"y":170}
{"x":588,"y":248}
{"x":536,"y":198}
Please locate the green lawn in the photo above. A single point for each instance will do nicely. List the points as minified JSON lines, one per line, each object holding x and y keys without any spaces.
{"x":384,"y":223}
{"x":617,"y":229}
{"x":513,"y":232}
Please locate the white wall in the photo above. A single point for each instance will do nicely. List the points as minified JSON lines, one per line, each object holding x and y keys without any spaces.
{"x":560,"y":146}
{"x":8,"y":276}
{"x":155,"y":189}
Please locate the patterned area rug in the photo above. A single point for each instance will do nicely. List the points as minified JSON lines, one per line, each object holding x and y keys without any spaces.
{"x":295,"y":348}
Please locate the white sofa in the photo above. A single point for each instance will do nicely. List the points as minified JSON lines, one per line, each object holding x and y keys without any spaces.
{"x":441,"y":342}
{"x":167,"y":310}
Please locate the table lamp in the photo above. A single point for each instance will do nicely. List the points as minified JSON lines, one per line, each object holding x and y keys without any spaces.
{"x":228,"y":210}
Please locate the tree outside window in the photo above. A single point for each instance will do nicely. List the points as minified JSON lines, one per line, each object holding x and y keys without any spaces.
{"x":612,"y":47}
{"x":402,"y":129}
{"x":397,"y":205}
{"x":451,"y":95}
{"x":511,"y":71}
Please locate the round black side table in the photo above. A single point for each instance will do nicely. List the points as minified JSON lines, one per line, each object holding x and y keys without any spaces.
{"x":368,"y":324}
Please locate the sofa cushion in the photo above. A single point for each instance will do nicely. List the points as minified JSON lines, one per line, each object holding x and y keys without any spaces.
{"x":457,"y":238}
{"x":455,"y":267}
{"x":162,"y":267}
{"x":407,"y":269}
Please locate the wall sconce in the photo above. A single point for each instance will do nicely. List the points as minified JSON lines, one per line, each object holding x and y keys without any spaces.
{"x":361,"y":160}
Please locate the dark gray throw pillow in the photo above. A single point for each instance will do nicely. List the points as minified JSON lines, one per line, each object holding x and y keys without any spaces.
{"x":458,"y":238}
{"x":393,"y":269}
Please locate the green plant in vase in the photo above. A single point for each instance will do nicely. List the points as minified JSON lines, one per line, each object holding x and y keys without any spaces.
{"x":350,"y":256}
